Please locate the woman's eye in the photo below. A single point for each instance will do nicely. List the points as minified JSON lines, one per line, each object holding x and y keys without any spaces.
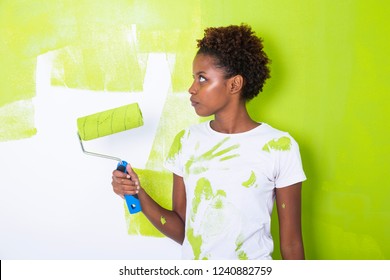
{"x":202,"y":79}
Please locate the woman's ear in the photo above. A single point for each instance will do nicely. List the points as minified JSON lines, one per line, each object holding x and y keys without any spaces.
{"x":236,"y":84}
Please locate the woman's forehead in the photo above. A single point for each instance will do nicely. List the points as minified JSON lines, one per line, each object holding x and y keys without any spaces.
{"x":204,"y":63}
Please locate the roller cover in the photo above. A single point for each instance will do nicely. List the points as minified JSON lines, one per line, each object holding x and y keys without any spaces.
{"x":110,"y":122}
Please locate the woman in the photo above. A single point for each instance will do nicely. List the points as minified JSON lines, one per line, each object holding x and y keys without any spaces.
{"x":228,"y":171}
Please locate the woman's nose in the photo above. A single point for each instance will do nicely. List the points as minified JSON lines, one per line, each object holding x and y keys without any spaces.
{"x":192,"y":90}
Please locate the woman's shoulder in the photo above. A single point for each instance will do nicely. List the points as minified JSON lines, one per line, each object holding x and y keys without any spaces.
{"x":277,"y":139}
{"x":271,"y":131}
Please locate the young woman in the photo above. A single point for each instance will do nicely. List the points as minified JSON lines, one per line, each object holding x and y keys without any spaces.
{"x":227,"y":172}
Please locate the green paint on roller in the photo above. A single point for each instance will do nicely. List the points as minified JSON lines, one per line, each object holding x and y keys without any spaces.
{"x":110,"y":122}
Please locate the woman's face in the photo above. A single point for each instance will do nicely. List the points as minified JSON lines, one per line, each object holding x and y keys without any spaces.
{"x":209,"y":91}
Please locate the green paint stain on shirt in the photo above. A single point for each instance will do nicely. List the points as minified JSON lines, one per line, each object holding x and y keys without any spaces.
{"x":218,"y":204}
{"x":251,"y":181}
{"x":240,"y":253}
{"x":176,"y":145}
{"x":282,"y":144}
{"x":203,"y":190}
{"x":195,"y":241}
{"x":200,"y":164}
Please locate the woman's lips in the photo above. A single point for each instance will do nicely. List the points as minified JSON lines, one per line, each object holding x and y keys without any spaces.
{"x":194,"y":103}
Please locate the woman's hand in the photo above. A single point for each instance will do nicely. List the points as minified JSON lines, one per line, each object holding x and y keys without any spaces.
{"x":125,"y":184}
{"x":169,"y":222}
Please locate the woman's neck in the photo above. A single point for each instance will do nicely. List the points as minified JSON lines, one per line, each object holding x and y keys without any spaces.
{"x":238,"y":122}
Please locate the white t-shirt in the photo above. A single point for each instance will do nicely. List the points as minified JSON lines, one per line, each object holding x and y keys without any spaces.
{"x":230,"y":181}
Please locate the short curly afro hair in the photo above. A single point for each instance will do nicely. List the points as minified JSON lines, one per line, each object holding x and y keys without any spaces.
{"x":238,"y":51}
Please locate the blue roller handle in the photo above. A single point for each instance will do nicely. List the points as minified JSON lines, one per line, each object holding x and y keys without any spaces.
{"x":132,"y":201}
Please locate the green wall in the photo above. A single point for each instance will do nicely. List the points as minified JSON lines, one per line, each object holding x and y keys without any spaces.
{"x":329,"y":89}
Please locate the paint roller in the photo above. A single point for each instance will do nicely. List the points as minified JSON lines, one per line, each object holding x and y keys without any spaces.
{"x":106,"y":123}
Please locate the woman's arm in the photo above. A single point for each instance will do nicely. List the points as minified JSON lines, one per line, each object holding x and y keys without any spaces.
{"x":169,"y":222}
{"x":288,"y":202}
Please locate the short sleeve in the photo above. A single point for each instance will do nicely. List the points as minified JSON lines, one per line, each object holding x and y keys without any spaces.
{"x":173,"y":161}
{"x":288,"y":168}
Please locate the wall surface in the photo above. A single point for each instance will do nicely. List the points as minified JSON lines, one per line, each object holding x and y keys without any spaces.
{"x":60,"y":60}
